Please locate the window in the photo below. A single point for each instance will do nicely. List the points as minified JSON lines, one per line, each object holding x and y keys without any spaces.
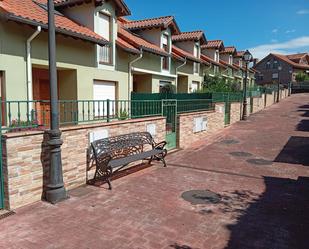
{"x":260,"y":77}
{"x":268,"y":65}
{"x":275,"y":75}
{"x":105,"y":30}
{"x":166,"y":87}
{"x":166,"y":48}
{"x":275,"y":65}
{"x":231,"y":60}
{"x":194,"y":86}
{"x":217,"y":56}
{"x":196,"y":65}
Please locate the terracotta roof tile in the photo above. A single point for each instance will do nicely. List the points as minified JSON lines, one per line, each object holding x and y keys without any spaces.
{"x":193,"y":35}
{"x":240,"y":53}
{"x":177,"y":57}
{"x":126,"y":46}
{"x":140,"y":43}
{"x":32,"y":13}
{"x":157,"y":22}
{"x":182,"y":53}
{"x":292,"y":63}
{"x":215,"y":44}
{"x":228,"y":64}
{"x":297,"y":57}
{"x":229,"y":50}
{"x":124,"y":10}
{"x":211,"y":61}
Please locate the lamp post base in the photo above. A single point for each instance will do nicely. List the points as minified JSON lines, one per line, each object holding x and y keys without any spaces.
{"x":55,"y":189}
{"x":55,"y":195}
{"x":244,"y":115}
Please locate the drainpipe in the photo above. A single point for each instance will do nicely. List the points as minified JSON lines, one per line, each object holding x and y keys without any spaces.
{"x":29,"y":69}
{"x":177,"y":68}
{"x":130,"y":87}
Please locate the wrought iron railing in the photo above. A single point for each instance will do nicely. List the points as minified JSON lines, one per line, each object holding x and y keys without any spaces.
{"x":21,"y":115}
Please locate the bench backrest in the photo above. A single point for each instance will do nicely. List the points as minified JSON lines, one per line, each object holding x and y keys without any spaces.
{"x":122,"y":146}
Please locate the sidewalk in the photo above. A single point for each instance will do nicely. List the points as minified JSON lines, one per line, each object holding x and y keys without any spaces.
{"x":257,"y":175}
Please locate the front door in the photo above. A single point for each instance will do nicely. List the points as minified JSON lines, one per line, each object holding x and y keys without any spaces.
{"x":41,"y":94}
{"x":169,"y":110}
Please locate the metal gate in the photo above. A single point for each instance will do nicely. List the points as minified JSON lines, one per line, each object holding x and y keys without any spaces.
{"x":1,"y":162}
{"x":169,"y":110}
{"x":1,"y":175}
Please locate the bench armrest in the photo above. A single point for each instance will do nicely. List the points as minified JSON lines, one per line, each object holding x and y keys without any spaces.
{"x":160,"y":145}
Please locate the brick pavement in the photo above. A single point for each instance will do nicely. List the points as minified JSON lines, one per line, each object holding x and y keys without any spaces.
{"x":261,"y":207}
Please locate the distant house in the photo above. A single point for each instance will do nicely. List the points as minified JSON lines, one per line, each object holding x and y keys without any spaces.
{"x":268,"y":72}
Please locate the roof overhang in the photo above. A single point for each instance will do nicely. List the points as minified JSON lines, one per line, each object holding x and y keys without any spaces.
{"x":122,"y":8}
{"x":65,"y":32}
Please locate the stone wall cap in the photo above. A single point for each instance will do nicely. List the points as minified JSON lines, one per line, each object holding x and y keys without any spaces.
{"x":82,"y":127}
{"x":196,"y":113}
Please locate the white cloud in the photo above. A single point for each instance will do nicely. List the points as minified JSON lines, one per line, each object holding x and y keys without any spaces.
{"x":275,"y":30}
{"x":291,"y":46}
{"x":303,"y":12}
{"x":290,"y":31}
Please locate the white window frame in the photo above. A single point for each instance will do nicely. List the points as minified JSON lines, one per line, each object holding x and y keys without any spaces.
{"x":107,"y":49}
{"x":163,"y":35}
{"x":196,"y":65}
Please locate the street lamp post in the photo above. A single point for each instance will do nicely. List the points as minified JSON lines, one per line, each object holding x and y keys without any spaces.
{"x":290,"y":83}
{"x":247,"y":57}
{"x":55,"y":189}
{"x":278,"y":92}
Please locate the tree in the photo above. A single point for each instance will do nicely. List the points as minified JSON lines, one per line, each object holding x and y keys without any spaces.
{"x":301,"y":77}
{"x":219,"y":84}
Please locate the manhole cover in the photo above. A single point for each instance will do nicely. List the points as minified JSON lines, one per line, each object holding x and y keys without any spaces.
{"x":196,"y":197}
{"x":241,"y":154}
{"x":229,"y":141}
{"x":259,"y":161}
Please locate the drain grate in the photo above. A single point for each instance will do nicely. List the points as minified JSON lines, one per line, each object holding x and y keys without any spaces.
{"x":260,"y":162}
{"x":229,"y":141}
{"x":5,"y":213}
{"x":241,"y":154}
{"x":196,"y":197}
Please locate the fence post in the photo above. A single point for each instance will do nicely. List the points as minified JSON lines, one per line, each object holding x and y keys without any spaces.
{"x":108,"y":110}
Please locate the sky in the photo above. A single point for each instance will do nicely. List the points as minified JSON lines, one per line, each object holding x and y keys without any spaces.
{"x":262,"y":26}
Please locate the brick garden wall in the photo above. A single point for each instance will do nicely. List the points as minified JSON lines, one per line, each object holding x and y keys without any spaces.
{"x":26,"y":162}
{"x":186,"y":134}
{"x":235,"y":112}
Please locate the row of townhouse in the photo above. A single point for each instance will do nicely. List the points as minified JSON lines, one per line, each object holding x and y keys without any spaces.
{"x":103,"y":55}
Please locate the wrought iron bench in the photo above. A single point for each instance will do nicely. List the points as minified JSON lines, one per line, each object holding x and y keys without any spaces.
{"x":117,"y":152}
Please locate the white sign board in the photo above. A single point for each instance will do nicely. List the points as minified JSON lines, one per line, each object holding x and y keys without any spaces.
{"x":97,"y":135}
{"x":151,"y":128}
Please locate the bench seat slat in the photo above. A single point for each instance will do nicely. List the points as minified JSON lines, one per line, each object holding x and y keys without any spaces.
{"x":130,"y":159}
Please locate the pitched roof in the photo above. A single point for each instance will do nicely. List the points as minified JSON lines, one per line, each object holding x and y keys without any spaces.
{"x":126,"y":46}
{"x":139,"y":43}
{"x":297,"y":57}
{"x":227,"y":64}
{"x":182,"y":53}
{"x":192,"y":35}
{"x":35,"y":14}
{"x":157,"y":22}
{"x":211,"y":61}
{"x":292,"y":63}
{"x":214,"y":44}
{"x":240,"y":54}
{"x":122,"y":8}
{"x":229,"y":50}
